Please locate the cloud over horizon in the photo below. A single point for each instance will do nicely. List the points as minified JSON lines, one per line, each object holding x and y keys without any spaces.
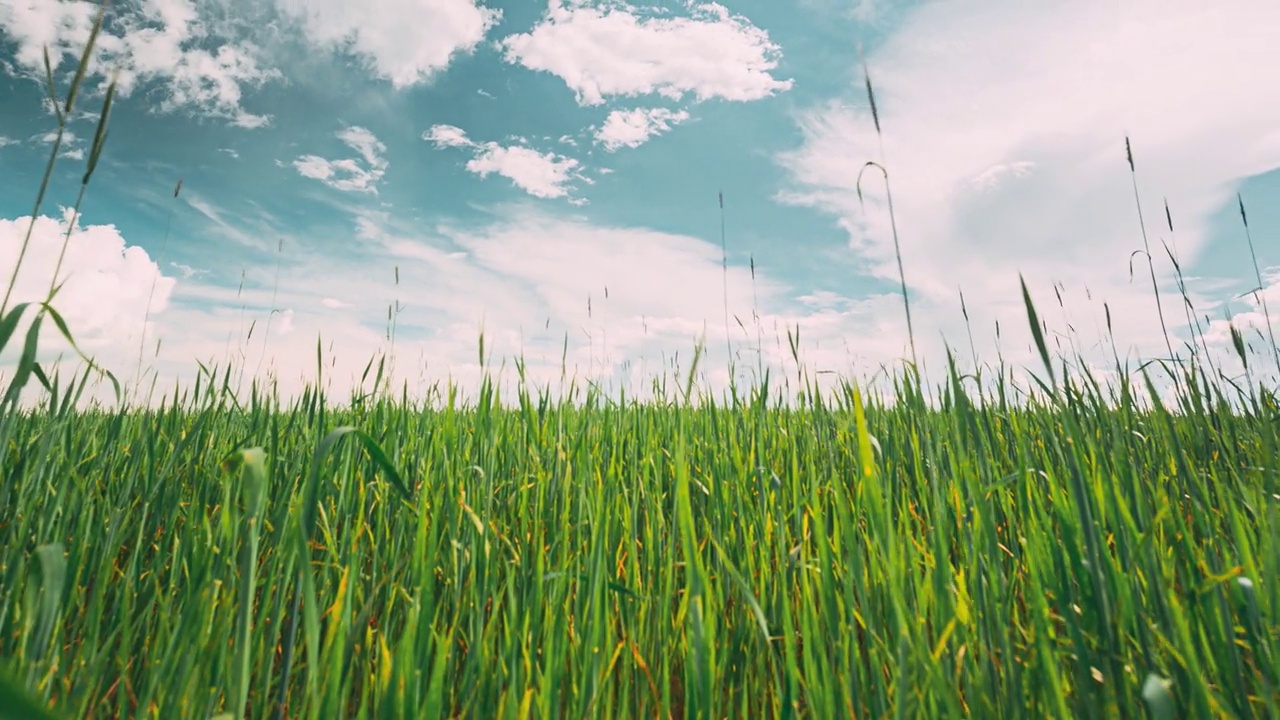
{"x":1004,"y":135}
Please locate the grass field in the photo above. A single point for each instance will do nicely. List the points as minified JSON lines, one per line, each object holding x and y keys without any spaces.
{"x":1085,"y":551}
{"x":643,"y":561}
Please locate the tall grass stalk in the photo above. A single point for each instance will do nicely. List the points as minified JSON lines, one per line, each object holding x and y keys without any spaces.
{"x":273,"y":310}
{"x":724,"y":268}
{"x":1146,"y":250}
{"x":151,"y":292}
{"x":1260,"y":292}
{"x":893,"y":220}
{"x":62,"y":115}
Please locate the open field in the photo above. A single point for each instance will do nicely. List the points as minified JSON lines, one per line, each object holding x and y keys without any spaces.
{"x":1072,"y":549}
{"x":645,"y":561}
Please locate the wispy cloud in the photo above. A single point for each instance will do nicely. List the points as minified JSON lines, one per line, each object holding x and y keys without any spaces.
{"x":220,"y":222}
{"x":187,"y":271}
{"x":348,"y":174}
{"x":70,"y":148}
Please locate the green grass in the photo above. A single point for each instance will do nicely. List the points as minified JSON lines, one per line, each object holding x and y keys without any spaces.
{"x":1085,"y":551}
{"x":636,"y":560}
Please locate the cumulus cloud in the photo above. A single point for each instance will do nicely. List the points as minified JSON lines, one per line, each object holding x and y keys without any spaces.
{"x":107,"y":282}
{"x":612,"y":49}
{"x":543,"y":175}
{"x":194,"y":65}
{"x":349,"y":174}
{"x":632,"y":128}
{"x":405,"y":41}
{"x":203,"y":57}
{"x":1004,"y":134}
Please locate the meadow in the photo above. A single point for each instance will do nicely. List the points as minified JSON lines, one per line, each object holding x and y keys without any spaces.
{"x":1071,"y":549}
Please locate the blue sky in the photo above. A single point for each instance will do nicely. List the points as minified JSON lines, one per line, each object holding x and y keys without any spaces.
{"x":543,"y":170}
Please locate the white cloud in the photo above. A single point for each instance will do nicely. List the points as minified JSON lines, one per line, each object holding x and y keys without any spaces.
{"x":612,"y":49}
{"x":1249,"y":315}
{"x":632,"y":128}
{"x":203,"y":57}
{"x":107,"y":282}
{"x":618,"y":306}
{"x":365,"y":143}
{"x":648,"y":273}
{"x":405,"y":41}
{"x":447,"y":136}
{"x":543,"y":175}
{"x":165,"y":41}
{"x":629,"y":300}
{"x":7,"y":141}
{"x":1004,"y":136}
{"x":249,"y":121}
{"x":71,"y":147}
{"x":348,"y":174}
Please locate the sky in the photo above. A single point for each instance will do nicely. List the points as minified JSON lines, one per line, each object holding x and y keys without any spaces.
{"x":596,"y":186}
